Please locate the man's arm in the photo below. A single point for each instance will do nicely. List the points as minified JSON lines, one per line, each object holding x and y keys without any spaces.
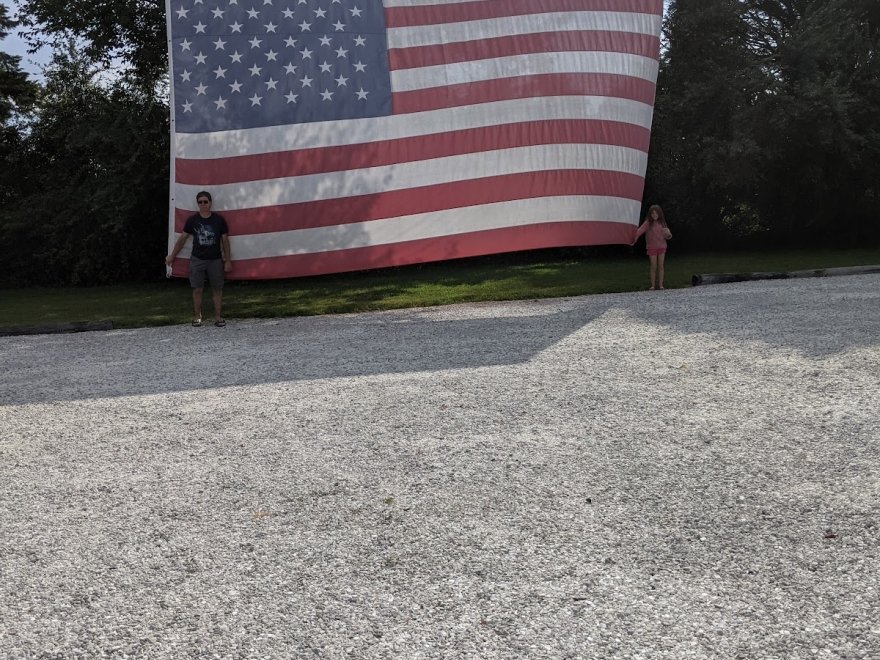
{"x":227,"y":254}
{"x":178,"y":246}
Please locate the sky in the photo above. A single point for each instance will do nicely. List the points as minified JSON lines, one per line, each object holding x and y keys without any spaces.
{"x":14,"y":45}
{"x":29,"y":63}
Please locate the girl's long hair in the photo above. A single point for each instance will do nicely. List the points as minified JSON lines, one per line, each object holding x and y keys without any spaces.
{"x":660,"y":217}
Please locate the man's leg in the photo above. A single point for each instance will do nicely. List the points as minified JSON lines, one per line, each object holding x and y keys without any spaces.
{"x":197,"y":303}
{"x":215,"y":276}
{"x":197,"y":282}
{"x":217,"y":297}
{"x":661,"y":260}
{"x":653,"y":260}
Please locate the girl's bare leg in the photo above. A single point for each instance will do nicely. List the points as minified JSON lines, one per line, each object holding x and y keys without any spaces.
{"x":653,"y":259}
{"x":661,"y":262}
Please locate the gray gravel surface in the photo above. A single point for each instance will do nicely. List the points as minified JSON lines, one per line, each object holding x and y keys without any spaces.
{"x":678,"y":474}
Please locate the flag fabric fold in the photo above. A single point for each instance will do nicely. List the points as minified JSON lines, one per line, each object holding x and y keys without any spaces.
{"x":339,"y":135}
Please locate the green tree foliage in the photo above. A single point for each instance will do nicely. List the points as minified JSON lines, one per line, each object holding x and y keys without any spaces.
{"x":767,"y":120}
{"x":16,"y":91}
{"x":17,"y":94}
{"x":702,"y":160}
{"x":92,"y":175}
{"x":129,"y":33}
{"x":818,"y":118}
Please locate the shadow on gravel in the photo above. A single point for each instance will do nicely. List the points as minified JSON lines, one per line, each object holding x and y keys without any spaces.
{"x":817,"y":319}
{"x":159,"y":360}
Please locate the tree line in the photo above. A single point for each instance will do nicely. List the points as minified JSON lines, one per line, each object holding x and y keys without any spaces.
{"x":766,"y":132}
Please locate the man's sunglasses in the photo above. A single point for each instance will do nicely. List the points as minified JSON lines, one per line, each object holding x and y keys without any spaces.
{"x":204,"y":201}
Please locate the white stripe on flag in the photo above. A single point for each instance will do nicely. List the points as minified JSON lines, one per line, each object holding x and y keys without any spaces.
{"x":350,"y":183}
{"x":406,"y":80}
{"x":489,"y":28}
{"x":359,"y":131}
{"x":426,"y":3}
{"x":450,"y":222}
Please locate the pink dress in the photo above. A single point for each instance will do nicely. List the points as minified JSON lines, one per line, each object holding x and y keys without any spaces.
{"x":654,"y":238}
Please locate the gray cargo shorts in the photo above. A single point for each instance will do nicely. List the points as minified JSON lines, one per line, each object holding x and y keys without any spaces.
{"x":199,"y":268}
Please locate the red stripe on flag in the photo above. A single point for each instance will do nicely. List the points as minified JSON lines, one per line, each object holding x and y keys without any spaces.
{"x":427,"y":199}
{"x":545,"y":42}
{"x":472,"y":244}
{"x":503,"y":89}
{"x":475,"y":11}
{"x":217,"y":171}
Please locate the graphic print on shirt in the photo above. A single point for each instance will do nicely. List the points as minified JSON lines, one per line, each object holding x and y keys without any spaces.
{"x":206,"y":235}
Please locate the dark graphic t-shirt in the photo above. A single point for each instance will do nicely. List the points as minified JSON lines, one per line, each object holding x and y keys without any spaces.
{"x":206,"y":233}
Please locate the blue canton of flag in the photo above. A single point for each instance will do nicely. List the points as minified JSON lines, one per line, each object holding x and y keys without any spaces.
{"x":253,"y":63}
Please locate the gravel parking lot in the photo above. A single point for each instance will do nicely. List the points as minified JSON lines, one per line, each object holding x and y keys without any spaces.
{"x":678,"y":474}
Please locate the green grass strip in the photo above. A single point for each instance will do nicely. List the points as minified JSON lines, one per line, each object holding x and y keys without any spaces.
{"x":168,"y":302}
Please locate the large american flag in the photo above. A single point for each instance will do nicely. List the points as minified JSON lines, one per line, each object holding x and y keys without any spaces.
{"x":340,"y":135}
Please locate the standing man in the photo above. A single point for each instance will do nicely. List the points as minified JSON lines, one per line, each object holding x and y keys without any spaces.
{"x":210,"y":256}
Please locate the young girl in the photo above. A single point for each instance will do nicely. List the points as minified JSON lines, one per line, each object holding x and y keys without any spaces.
{"x":656,"y":234}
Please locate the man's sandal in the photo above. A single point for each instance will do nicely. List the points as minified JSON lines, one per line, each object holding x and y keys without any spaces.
{"x":197,"y":323}
{"x":220,"y":323}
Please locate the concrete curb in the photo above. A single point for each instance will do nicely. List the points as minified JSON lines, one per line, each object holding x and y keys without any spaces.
{"x":726,"y":278}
